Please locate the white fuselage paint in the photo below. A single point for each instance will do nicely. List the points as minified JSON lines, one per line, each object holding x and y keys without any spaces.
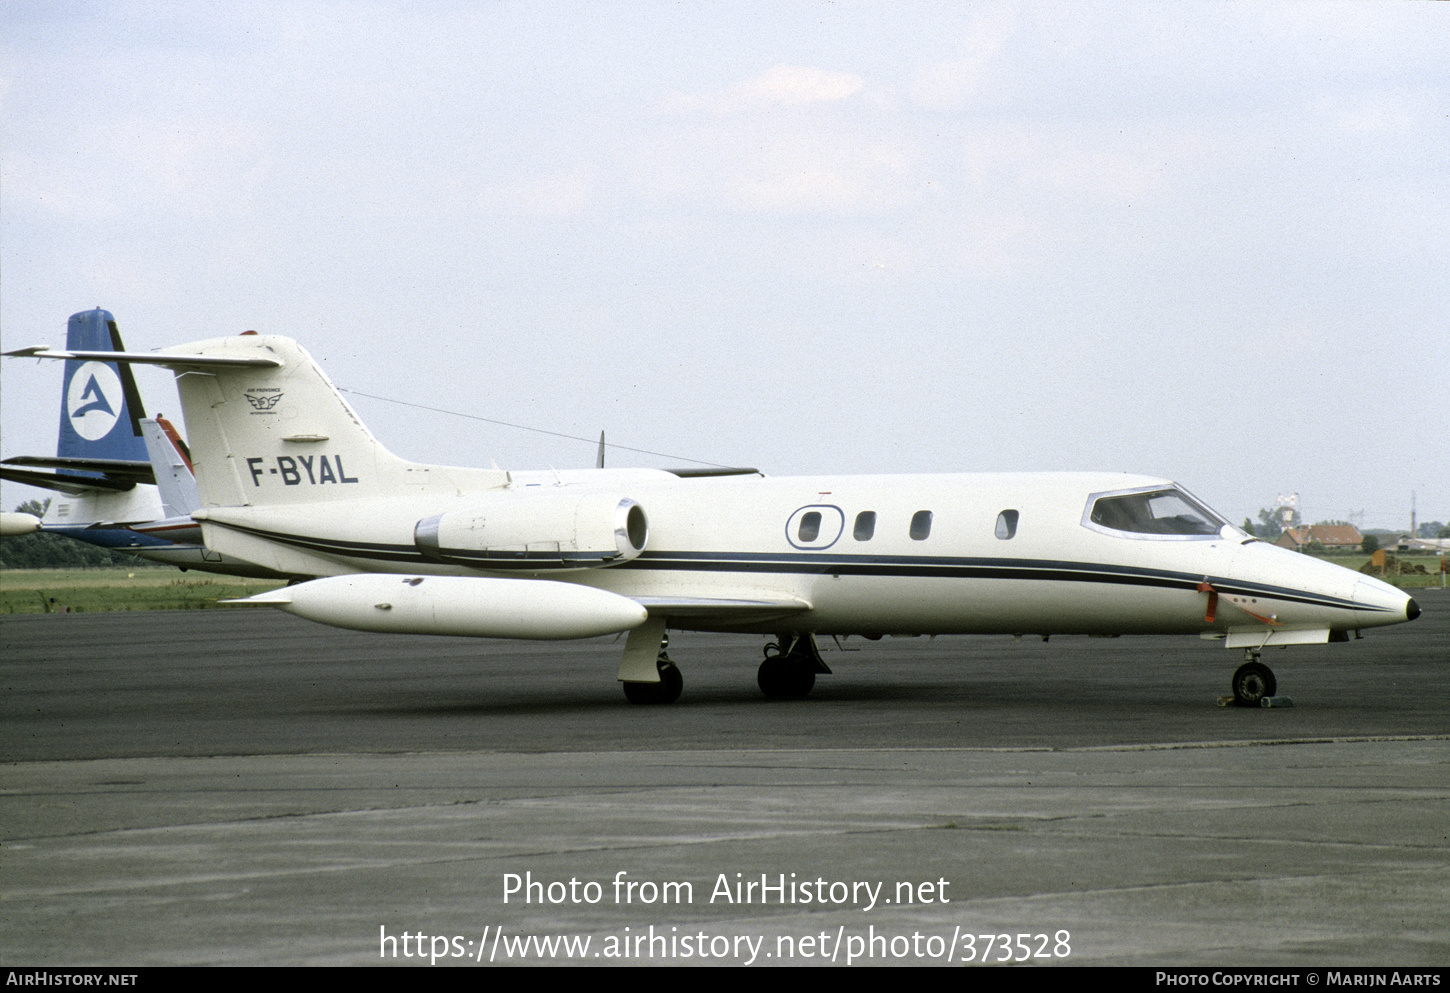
{"x":727,"y":538}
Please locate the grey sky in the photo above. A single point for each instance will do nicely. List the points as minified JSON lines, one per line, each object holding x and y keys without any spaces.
{"x":1203,"y":241}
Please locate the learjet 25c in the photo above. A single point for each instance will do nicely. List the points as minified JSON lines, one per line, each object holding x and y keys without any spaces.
{"x":291,"y":480}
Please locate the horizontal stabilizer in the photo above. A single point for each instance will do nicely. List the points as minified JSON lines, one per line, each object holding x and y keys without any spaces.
{"x":115,"y":470}
{"x":152,"y":358}
{"x":61,"y":483}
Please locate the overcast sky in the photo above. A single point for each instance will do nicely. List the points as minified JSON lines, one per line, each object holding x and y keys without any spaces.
{"x":1203,"y":241}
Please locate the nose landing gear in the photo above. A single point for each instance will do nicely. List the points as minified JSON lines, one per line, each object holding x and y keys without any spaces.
{"x":1253,"y":681}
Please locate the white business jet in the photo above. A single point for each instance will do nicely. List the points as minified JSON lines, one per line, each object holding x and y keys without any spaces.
{"x":291,"y":480}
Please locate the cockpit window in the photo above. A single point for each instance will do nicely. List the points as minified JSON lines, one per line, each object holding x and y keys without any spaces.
{"x":1160,"y":513}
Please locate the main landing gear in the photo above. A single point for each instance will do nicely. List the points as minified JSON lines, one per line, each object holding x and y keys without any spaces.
{"x":667,"y":690}
{"x":1253,"y":681}
{"x":650,"y":676}
{"x":790,"y":667}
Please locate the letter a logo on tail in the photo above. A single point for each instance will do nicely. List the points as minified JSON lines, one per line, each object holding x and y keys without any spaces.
{"x":94,"y":400}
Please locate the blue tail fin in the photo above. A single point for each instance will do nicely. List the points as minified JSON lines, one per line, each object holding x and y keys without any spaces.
{"x":100,"y":408}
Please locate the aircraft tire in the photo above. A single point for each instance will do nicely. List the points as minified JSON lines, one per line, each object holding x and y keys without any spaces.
{"x":783,"y":678}
{"x":667,"y":690}
{"x":1252,"y":682}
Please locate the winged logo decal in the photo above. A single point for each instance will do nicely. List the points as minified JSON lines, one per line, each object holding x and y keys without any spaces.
{"x":264,"y":401}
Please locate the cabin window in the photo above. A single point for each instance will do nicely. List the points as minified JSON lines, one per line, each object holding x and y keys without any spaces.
{"x":865,"y":525}
{"x":815,"y":526}
{"x":920,"y":525}
{"x":1163,"y":512}
{"x":1006,"y":524}
{"x":810,"y":528}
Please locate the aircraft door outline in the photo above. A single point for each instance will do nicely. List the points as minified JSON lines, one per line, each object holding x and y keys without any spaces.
{"x":815,"y":527}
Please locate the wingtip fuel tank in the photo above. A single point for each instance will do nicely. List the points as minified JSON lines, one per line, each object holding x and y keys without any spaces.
{"x":476,"y":607}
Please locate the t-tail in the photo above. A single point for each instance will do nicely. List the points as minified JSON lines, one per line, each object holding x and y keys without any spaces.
{"x":101,"y":464}
{"x":268,"y":428}
{"x":100,"y":407}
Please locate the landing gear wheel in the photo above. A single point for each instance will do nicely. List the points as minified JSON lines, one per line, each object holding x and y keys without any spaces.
{"x":667,"y":690}
{"x":782,"y":677}
{"x":1252,"y":682}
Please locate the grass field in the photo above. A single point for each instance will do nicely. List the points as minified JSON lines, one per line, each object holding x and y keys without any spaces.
{"x":1406,"y":580}
{"x":36,"y":591}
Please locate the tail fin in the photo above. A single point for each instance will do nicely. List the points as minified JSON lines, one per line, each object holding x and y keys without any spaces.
{"x":103,"y":468}
{"x":267,"y":427}
{"x":100,"y":407}
{"x":171,"y":463}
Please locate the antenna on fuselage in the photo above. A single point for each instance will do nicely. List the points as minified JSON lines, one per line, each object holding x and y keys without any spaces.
{"x":600,"y":464}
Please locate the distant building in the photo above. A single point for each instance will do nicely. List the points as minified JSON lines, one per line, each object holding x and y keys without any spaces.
{"x":1331,"y":536}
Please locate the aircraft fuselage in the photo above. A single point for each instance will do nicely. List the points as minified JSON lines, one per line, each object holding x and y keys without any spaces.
{"x":882,"y":555}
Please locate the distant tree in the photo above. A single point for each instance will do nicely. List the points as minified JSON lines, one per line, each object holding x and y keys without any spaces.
{"x":1333,"y":523}
{"x":1430,"y":529}
{"x":1249,"y":527}
{"x":1443,"y":532}
{"x":1370,"y":545}
{"x":1269,"y":528}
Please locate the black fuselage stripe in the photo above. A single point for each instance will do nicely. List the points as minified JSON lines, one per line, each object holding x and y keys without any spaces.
{"x":894,"y":566}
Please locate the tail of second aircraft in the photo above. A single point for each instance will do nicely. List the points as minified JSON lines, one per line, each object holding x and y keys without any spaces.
{"x":100,"y":407}
{"x":100,"y":466}
{"x":171,"y":464}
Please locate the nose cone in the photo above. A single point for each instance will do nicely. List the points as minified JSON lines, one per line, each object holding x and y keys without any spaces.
{"x":1383,"y":601}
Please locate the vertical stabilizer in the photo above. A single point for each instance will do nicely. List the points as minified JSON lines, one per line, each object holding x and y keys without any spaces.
{"x":267,"y":427}
{"x":100,"y":407}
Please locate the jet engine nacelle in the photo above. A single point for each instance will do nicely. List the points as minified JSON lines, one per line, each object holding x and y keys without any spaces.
{"x":536,"y":529}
